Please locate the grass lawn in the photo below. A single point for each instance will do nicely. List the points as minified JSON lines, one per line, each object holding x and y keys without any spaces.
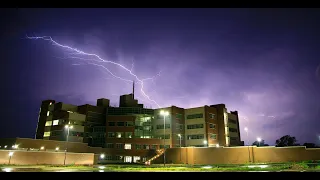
{"x":159,"y":168}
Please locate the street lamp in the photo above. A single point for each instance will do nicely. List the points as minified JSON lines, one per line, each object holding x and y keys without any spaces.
{"x":68,"y":127}
{"x":205,"y":142}
{"x":102,"y":156}
{"x":180,"y":138}
{"x":10,"y":155}
{"x":57,"y":148}
{"x":259,"y":140}
{"x":164,"y":114}
{"x":217,"y":145}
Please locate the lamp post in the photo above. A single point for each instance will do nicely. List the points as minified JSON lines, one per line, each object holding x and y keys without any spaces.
{"x":164,"y":114}
{"x":246,"y":130}
{"x":179,"y":139}
{"x":10,"y":155}
{"x":180,"y":147}
{"x":68,"y":127}
{"x":259,"y":140}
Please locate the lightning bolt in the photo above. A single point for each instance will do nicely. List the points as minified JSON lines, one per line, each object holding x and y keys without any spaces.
{"x":74,"y":51}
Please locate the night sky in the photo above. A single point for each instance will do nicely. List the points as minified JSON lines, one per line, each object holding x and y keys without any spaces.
{"x":264,"y":63}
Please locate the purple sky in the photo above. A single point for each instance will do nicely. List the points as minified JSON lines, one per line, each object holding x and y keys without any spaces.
{"x":262,"y":63}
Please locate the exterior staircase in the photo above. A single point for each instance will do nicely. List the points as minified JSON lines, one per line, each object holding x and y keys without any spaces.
{"x":159,"y":153}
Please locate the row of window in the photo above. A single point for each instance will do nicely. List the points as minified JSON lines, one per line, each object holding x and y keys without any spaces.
{"x":129,"y":146}
{"x":194,"y":126}
{"x":63,"y":121}
{"x":232,"y":121}
{"x":59,"y":133}
{"x":126,"y":159}
{"x":196,"y":136}
{"x":167,"y":136}
{"x":201,"y":136}
{"x":233,"y":130}
{"x":121,"y":123}
{"x":194,"y":116}
{"x":119,"y":135}
{"x":200,"y":115}
{"x":198,"y":126}
{"x":161,"y":126}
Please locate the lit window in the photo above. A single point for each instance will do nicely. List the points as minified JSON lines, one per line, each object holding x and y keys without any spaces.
{"x":46,"y":134}
{"x":127,"y":146}
{"x":48,"y":123}
{"x":48,"y":113}
{"x":119,"y":134}
{"x":55,"y":122}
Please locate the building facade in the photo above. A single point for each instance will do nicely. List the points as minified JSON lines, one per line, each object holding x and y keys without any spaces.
{"x":133,"y":127}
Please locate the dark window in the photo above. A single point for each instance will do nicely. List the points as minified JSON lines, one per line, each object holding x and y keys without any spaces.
{"x":179,"y":116}
{"x":212,"y":126}
{"x":111,"y":123}
{"x":128,"y":134}
{"x":120,"y":146}
{"x":195,"y":116}
{"x":196,"y":136}
{"x":111,"y":134}
{"x":233,"y":138}
{"x":213,"y":136}
{"x":167,"y":136}
{"x":129,"y":123}
{"x":120,"y":123}
{"x":138,"y":146}
{"x":108,"y":157}
{"x":109,"y":145}
{"x":161,"y":126}
{"x":211,"y":115}
{"x":233,"y":130}
{"x":194,"y":126}
{"x":232,"y":121}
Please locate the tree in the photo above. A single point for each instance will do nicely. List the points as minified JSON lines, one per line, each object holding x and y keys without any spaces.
{"x":256,"y":143}
{"x":286,"y":140}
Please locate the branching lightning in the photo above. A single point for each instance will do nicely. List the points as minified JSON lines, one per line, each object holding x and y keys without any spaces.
{"x":74,"y":51}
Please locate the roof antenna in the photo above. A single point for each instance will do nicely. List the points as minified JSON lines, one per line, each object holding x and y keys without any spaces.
{"x":132,"y":89}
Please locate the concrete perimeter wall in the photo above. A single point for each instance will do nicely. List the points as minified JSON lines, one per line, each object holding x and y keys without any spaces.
{"x":41,"y":157}
{"x":238,"y":155}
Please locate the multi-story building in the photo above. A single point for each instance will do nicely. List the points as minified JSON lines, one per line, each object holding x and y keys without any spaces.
{"x":205,"y":126}
{"x":102,"y":125}
{"x":130,"y":127}
{"x":54,"y":117}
